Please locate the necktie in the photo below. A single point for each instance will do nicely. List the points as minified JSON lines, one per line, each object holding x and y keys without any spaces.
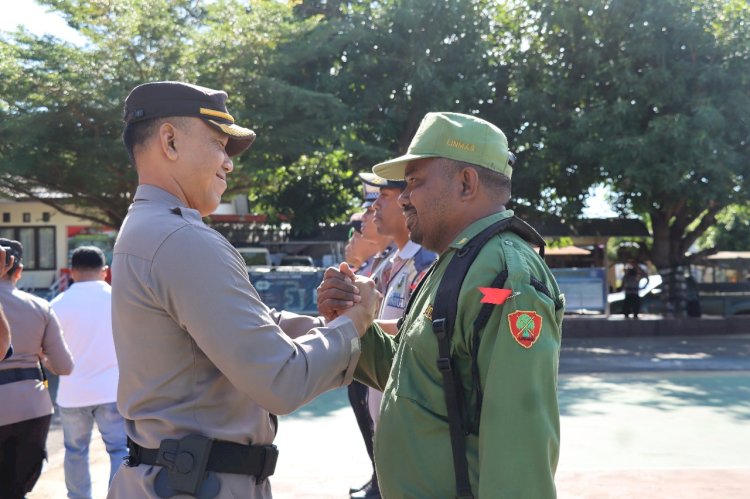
{"x":391,"y":268}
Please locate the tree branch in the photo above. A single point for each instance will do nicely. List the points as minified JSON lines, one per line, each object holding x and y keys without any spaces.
{"x":708,"y":220}
{"x":700,"y":255}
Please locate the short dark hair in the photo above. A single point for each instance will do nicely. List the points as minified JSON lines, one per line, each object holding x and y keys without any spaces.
{"x":15,"y":249}
{"x":87,"y":258}
{"x":496,"y":182}
{"x":137,"y":134}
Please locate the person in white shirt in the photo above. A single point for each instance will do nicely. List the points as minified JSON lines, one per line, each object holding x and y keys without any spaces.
{"x":89,"y":393}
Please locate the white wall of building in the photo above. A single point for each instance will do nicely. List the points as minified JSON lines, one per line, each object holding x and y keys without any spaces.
{"x":29,"y":214}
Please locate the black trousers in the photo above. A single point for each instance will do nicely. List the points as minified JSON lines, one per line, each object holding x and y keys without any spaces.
{"x":358,"y":400}
{"x":22,"y":452}
{"x":632,"y":304}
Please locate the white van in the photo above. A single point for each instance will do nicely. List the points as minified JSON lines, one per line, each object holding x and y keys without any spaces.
{"x":255,"y":257}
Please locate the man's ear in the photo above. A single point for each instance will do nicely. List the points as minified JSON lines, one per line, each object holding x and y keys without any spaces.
{"x":167,"y":135}
{"x":17,"y":273}
{"x":469,"y":179}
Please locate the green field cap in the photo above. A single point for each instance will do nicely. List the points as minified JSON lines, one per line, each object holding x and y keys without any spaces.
{"x":455,"y":136}
{"x":162,"y":99}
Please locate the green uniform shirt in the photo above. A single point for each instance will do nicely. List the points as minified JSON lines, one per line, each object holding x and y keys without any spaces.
{"x":515,"y":454}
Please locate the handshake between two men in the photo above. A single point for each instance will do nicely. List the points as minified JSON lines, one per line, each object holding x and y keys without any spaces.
{"x":342,"y":293}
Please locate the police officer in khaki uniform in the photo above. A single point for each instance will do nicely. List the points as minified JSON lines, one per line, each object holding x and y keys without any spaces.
{"x":6,"y":262}
{"x":27,"y":407}
{"x":204,"y":364}
{"x":5,"y":348}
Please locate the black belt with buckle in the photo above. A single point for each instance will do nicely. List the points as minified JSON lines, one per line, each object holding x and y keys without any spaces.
{"x":223,"y":457}
{"x":20,"y":374}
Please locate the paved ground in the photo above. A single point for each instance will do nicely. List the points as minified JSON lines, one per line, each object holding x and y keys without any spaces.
{"x":640,"y":417}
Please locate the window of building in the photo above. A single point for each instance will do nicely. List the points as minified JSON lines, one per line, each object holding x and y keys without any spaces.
{"x":39,"y":252}
{"x":6,"y":217}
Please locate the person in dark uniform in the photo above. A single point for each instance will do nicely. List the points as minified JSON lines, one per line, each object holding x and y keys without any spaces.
{"x":631,"y":283}
{"x":204,"y":364}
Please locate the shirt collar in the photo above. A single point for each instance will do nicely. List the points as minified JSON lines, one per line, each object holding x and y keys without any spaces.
{"x":89,"y":284}
{"x":474,"y":229}
{"x":147,"y":192}
{"x":408,"y":251}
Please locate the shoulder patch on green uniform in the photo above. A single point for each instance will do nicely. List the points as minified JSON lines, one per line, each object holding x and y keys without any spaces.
{"x":525,"y":326}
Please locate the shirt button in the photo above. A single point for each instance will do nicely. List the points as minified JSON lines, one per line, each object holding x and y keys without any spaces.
{"x":508,"y":243}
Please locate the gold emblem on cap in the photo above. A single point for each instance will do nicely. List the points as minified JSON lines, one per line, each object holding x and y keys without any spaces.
{"x":218,"y":114}
{"x":460,"y":145}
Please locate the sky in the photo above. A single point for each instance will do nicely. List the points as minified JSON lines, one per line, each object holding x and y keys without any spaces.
{"x":39,"y":21}
{"x":36,"y":18}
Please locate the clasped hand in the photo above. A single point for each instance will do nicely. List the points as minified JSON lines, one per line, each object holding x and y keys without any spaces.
{"x":343,"y":293}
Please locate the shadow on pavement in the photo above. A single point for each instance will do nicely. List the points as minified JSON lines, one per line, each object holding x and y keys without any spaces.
{"x":665,"y":392}
{"x":640,"y":354}
{"x":324,"y":405}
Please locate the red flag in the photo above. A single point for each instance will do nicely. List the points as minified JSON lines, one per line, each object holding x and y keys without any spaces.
{"x":494,"y":295}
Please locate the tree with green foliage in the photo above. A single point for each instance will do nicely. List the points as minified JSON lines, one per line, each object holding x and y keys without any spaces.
{"x":61,"y":105}
{"x":311,"y":189}
{"x":392,"y":62}
{"x":731,"y":232}
{"x":651,"y":98}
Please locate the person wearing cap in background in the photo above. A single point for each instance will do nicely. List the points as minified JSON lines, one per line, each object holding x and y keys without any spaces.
{"x":358,"y":251}
{"x":383,"y":247}
{"x":457,"y":171}
{"x":204,"y":364}
{"x":383,"y":243}
{"x":358,"y":392}
{"x":27,"y":406}
{"x":89,"y":394}
{"x":395,"y":279}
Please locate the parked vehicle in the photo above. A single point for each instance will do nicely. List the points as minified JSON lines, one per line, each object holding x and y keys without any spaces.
{"x":293,"y":289}
{"x":713,"y":298}
{"x":297,"y":261}
{"x":255,"y":257}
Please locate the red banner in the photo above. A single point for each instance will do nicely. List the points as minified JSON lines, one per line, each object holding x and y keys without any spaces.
{"x":494,"y":295}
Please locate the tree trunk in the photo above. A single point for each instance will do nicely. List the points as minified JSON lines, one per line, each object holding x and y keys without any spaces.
{"x":667,"y":257}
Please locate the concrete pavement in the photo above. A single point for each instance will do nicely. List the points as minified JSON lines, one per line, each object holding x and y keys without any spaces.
{"x":640,"y":417}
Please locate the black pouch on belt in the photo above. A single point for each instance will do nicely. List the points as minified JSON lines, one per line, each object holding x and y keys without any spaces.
{"x":184,"y":468}
{"x":189,"y":465}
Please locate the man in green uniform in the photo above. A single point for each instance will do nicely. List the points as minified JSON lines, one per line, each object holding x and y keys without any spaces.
{"x":457,"y":170}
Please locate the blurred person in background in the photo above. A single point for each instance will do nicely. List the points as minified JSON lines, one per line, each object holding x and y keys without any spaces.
{"x":27,"y":410}
{"x":358,"y":250}
{"x":6,"y":262}
{"x":89,"y":394}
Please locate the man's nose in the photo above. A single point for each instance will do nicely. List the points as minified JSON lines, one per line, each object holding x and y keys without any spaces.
{"x":403,"y":198}
{"x":228,"y":165}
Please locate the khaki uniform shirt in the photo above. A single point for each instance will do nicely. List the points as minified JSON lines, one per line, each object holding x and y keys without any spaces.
{"x":198,"y":351}
{"x":36,"y":334}
{"x":514,"y":454}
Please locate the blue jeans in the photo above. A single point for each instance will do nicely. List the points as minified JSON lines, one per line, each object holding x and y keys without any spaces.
{"x":77,"y":423}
